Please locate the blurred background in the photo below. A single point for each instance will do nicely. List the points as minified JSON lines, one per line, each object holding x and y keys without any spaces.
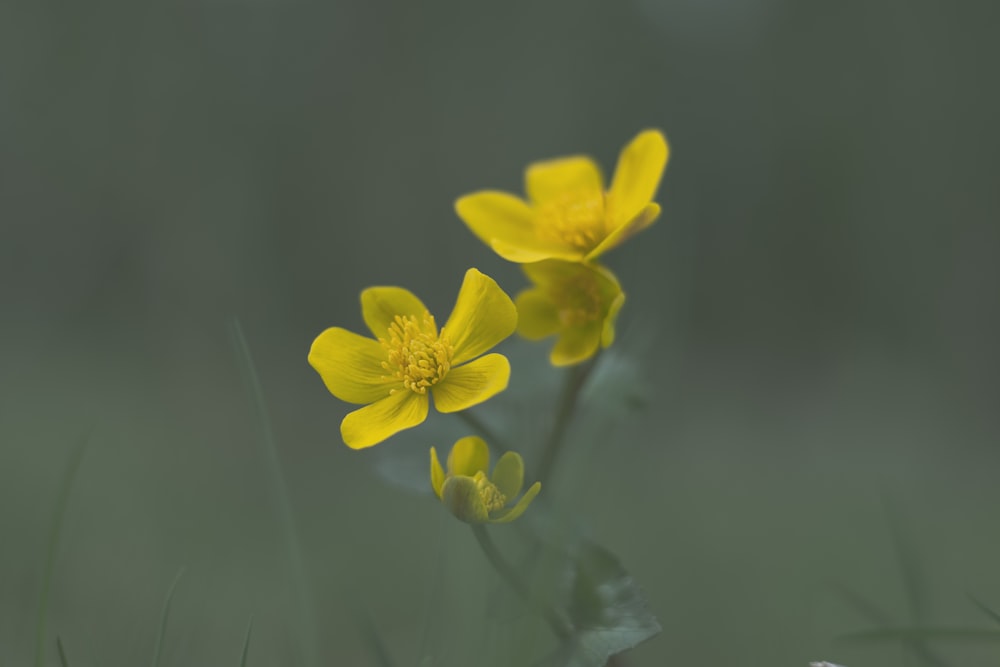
{"x":811,"y":328}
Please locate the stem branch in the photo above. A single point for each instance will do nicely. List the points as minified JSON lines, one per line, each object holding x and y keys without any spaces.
{"x":559,"y":624}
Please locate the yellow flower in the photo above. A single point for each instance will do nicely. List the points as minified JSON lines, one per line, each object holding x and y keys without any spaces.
{"x":579,"y":302}
{"x":569,"y":215}
{"x":411,"y":358}
{"x":470,"y":494}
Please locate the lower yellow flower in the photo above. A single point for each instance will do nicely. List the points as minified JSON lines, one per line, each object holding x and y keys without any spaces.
{"x":410,"y":360}
{"x":579,"y":302}
{"x":470,"y":494}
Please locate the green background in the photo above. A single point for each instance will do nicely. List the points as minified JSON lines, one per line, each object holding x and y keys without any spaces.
{"x":811,"y":326}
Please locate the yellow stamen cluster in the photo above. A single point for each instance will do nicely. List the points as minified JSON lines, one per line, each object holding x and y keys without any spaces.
{"x":578,"y":301}
{"x":576,"y":218}
{"x":491,"y":496}
{"x":417,"y":355}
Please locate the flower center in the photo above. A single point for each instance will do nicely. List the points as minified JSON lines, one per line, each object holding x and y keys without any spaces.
{"x":491,"y":496}
{"x":575,"y":218}
{"x":578,"y":301}
{"x":417,"y":355}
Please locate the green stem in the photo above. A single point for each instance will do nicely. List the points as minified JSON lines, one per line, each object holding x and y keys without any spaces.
{"x":560,"y":625}
{"x":481,"y":429}
{"x":575,"y":381}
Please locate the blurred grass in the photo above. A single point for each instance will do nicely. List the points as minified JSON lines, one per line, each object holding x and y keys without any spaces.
{"x":52,"y":550}
{"x":246,"y":644}
{"x":63,"y":660}
{"x":306,"y":623}
{"x":164,"y":616}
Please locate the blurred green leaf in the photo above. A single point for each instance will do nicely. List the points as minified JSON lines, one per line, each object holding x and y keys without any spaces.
{"x":604,"y":604}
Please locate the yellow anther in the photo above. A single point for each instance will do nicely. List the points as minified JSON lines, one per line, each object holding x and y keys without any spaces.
{"x":576,"y":218}
{"x":416,"y":354}
{"x":491,"y":496}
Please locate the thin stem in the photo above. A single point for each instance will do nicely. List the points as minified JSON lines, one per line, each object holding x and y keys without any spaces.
{"x":481,"y":429}
{"x":559,"y":624}
{"x":575,"y":381}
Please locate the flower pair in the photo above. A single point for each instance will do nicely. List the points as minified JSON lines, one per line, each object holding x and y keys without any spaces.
{"x":567,"y":222}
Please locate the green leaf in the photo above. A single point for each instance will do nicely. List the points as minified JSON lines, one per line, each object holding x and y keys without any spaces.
{"x":602,"y":601}
{"x":606,"y":606}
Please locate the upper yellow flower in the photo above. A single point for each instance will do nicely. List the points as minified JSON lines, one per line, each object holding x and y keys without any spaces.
{"x":470,"y":494}
{"x":411,"y":357}
{"x":569,"y":215}
{"x":579,"y":302}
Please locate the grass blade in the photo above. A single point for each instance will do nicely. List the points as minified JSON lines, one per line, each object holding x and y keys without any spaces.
{"x":909,"y":563}
{"x":158,"y":647}
{"x":62,"y":653}
{"x":246,"y":644}
{"x":370,"y":633}
{"x":986,"y":610}
{"x":912,"y":576}
{"x":924,"y":633}
{"x":269,"y":450}
{"x":884,"y":622}
{"x":62,"y":502}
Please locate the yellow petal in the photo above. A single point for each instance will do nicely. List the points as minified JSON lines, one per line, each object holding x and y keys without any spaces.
{"x":517,"y":510}
{"x":469,"y":456}
{"x":482,"y":317}
{"x":437,"y":473}
{"x":472,"y":383}
{"x":507,"y":224}
{"x":637,"y":176}
{"x":537,"y":316}
{"x":553,"y":273}
{"x":551,"y":179}
{"x":374,"y":423}
{"x":534,"y":250}
{"x":351,"y":366}
{"x":461,"y":496}
{"x":508,"y":474}
{"x":644,"y":219}
{"x":381,"y":305}
{"x":608,"y":330}
{"x":576,"y":344}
